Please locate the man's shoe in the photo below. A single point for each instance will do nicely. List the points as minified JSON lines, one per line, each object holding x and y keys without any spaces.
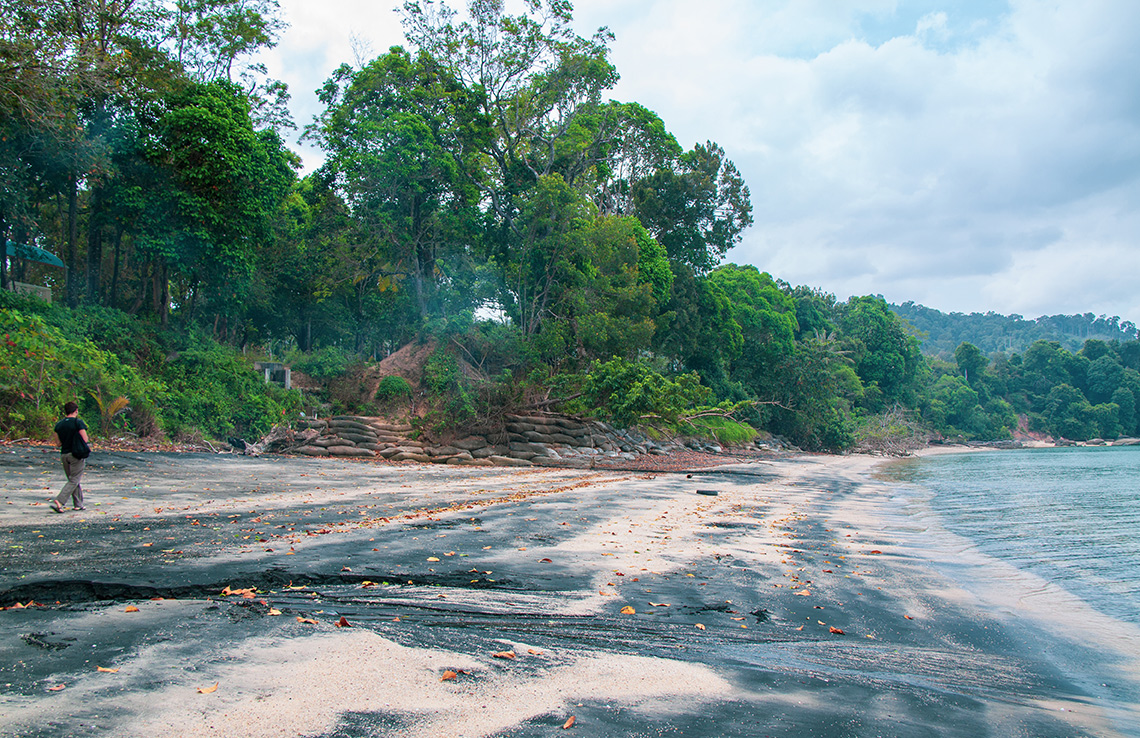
{"x":56,"y":507}
{"x":79,"y":507}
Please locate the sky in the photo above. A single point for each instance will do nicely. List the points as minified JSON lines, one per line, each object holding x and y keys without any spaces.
{"x":969,"y":155}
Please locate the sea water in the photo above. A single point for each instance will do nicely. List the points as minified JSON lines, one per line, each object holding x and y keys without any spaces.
{"x":1070,"y":516}
{"x":1049,"y":536}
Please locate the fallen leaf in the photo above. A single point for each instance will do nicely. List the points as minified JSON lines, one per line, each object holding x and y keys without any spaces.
{"x":57,"y":688}
{"x":532,"y":652}
{"x":568,"y":724}
{"x":628,"y":610}
{"x":738,"y":618}
{"x":274,"y":611}
{"x":504,"y":655}
{"x":247,"y":593}
{"x":836,"y":631}
{"x":310,"y":621}
{"x":700,"y":626}
{"x":876,"y":551}
{"x":448,"y":676}
{"x":804,"y":593}
{"x":659,"y":604}
{"x":343,"y":622}
{"x":545,"y":561}
{"x":909,"y":617}
{"x":433,"y":558}
{"x":208,"y":690}
{"x":105,"y":670}
{"x":131,"y":608}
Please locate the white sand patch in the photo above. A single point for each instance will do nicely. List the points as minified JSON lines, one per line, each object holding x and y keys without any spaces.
{"x":303,"y":686}
{"x":660,"y":536}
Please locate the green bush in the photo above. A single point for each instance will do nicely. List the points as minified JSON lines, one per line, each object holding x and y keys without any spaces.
{"x":324,"y":363}
{"x":218,"y":393}
{"x":392,"y":388}
{"x":721,"y":429}
{"x":629,"y":392}
{"x":42,"y":367}
{"x":444,"y":382}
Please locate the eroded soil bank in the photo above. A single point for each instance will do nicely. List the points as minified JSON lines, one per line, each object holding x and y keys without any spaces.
{"x":788,"y":604}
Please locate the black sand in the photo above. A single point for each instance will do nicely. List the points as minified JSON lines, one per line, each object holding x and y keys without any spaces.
{"x":737,"y":599}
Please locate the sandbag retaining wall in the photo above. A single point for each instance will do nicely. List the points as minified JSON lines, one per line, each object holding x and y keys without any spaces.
{"x":545,"y":440}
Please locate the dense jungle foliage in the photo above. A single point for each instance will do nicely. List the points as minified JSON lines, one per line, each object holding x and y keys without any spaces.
{"x":942,"y":333}
{"x":480,"y":194}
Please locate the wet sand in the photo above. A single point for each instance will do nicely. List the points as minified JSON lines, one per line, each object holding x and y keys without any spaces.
{"x":736,"y":602}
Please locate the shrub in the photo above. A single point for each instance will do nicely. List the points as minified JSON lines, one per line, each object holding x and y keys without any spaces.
{"x":629,"y":392}
{"x":325,"y":363}
{"x":393,"y":388}
{"x":723,"y":430}
{"x":217,"y":392}
{"x":41,"y":367}
{"x":444,"y":382}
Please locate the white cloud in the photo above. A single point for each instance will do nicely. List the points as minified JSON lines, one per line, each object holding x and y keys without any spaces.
{"x":971,"y":157}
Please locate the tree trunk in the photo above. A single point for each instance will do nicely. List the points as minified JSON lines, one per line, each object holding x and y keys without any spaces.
{"x":3,"y":251}
{"x":165,"y":296}
{"x":95,"y":246}
{"x":113,"y":298}
{"x":72,"y":240}
{"x":155,"y":292}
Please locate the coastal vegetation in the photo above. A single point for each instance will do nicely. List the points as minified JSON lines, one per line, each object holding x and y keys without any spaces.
{"x":551,"y":249}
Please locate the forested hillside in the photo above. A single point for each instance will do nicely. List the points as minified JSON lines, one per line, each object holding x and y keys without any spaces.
{"x":481,"y":195}
{"x":941,"y":333}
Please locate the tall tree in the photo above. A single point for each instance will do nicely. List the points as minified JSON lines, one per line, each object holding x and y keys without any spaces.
{"x":224,"y":181}
{"x":698,"y":208}
{"x":401,"y":135}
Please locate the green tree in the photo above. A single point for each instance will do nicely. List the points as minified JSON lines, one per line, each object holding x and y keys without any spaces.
{"x":401,"y":134}
{"x":1068,"y":414}
{"x":767,"y":319}
{"x":1103,"y":378}
{"x":697,"y":208}
{"x":697,"y":330}
{"x":885,"y":355}
{"x":1125,"y":402}
{"x":971,"y":362}
{"x":626,"y":279}
{"x":224,"y":182}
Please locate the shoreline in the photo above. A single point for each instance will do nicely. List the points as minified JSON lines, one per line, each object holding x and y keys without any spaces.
{"x":465,"y":563}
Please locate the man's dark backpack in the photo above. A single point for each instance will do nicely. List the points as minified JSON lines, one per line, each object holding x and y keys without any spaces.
{"x":79,"y":447}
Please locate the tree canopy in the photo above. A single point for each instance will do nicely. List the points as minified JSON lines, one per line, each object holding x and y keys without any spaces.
{"x":479,"y":190}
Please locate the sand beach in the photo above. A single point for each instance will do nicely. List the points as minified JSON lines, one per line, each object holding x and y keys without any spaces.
{"x":264,"y":596}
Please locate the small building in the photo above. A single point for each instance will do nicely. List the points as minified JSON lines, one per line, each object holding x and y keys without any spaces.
{"x":275,"y":372}
{"x":31,"y":253}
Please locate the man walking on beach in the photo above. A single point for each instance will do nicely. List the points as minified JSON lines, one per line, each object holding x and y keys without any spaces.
{"x":67,"y":430}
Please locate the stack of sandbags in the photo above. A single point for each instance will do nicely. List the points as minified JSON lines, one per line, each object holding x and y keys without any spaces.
{"x":352,"y":435}
{"x":546,"y":440}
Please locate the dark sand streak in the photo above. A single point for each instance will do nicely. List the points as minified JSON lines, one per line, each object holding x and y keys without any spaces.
{"x":435,"y":569}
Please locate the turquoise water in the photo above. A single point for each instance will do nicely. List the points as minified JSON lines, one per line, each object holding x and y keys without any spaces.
{"x":1070,"y":516}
